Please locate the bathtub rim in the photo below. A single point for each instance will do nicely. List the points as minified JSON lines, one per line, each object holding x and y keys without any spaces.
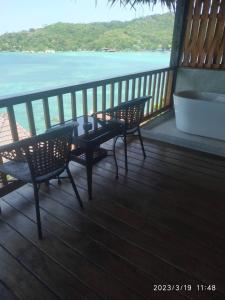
{"x":192,"y":95}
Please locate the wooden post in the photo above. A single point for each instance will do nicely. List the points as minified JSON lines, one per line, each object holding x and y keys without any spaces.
{"x":46,"y":113}
{"x":178,"y":31}
{"x":30,"y":115}
{"x":178,"y":37}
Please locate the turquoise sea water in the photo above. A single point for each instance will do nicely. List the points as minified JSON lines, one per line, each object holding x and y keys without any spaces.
{"x":26,"y":72}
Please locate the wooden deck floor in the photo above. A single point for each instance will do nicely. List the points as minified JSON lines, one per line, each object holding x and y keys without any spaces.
{"x":163,"y":223}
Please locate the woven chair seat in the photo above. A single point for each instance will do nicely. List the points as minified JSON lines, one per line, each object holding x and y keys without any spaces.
{"x":21,"y":171}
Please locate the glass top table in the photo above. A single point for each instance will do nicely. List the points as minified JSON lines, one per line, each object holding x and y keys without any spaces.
{"x":89,"y":134}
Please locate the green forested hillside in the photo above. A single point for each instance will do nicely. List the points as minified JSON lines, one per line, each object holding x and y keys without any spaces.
{"x":149,"y":33}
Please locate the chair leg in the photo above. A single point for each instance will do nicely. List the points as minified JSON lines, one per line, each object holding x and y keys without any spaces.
{"x":36,"y":198}
{"x":141,"y":141}
{"x":125,"y":151}
{"x":74,"y":186}
{"x":59,"y":180}
{"x":114,"y":155}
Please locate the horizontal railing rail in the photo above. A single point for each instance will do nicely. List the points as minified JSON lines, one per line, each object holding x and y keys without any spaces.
{"x":39,"y":110}
{"x":35,"y":95}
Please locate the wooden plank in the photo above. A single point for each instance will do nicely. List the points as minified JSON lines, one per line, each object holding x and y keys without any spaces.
{"x":162,"y":92}
{"x":73,"y":105}
{"x":186,"y":55}
{"x":71,"y":260}
{"x":178,"y":32}
{"x":46,"y":113}
{"x":116,"y":246}
{"x":203,"y":33}
{"x":104,"y":97}
{"x":218,"y":36}
{"x":221,"y":53}
{"x":11,"y":186}
{"x":158,"y":92}
{"x":23,"y":284}
{"x":149,"y":92}
{"x":169,"y":84}
{"x":133,"y":88}
{"x":56,"y":277}
{"x":150,"y":163}
{"x":84,"y":102}
{"x":61,"y":108}
{"x":127,"y":90}
{"x":153,"y":93}
{"x":210,"y":32}
{"x":30,"y":116}
{"x":5,"y":293}
{"x":139,"y":86}
{"x":12,"y":123}
{"x":112,"y":96}
{"x":195,"y":33}
{"x":104,"y":177}
{"x":95,"y":100}
{"x":119,"y":92}
{"x":144,"y":86}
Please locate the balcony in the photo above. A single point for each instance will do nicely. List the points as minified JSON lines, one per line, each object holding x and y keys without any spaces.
{"x":162,"y":223}
{"x":155,"y":225}
{"x":156,"y":231}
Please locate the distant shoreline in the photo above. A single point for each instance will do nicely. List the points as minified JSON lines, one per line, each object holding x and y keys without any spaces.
{"x":74,"y":51}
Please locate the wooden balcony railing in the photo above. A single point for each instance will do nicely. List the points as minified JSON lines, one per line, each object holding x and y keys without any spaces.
{"x":37,"y":111}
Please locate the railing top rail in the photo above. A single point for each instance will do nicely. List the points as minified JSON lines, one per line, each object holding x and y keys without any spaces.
{"x":6,"y":101}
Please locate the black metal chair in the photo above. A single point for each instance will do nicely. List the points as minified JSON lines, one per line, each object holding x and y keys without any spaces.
{"x":38,"y":159}
{"x":130,"y":115}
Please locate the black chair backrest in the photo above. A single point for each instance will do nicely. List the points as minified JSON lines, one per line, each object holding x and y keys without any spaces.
{"x":131,"y":112}
{"x":49,"y":151}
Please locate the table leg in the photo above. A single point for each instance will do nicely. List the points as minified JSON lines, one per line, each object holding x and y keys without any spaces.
{"x":89,"y":165}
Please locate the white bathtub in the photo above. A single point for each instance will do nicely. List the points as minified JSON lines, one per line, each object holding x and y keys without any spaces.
{"x":200,"y":113}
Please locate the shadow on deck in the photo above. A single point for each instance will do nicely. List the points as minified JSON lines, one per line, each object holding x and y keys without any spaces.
{"x":163,"y":223}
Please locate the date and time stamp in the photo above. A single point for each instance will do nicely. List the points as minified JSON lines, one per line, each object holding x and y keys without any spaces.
{"x":184,"y":287}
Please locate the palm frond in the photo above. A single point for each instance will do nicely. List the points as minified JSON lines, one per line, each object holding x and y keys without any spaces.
{"x":133,"y":3}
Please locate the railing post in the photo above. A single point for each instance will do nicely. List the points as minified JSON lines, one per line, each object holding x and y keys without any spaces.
{"x":12,"y":123}
{"x":127,"y":90}
{"x":104,"y":97}
{"x":139,"y":87}
{"x":161,"y":97}
{"x":84,"y":101}
{"x":95,"y":107}
{"x":153,"y":93}
{"x":30,"y":115}
{"x":178,"y":34}
{"x":46,"y":113}
{"x":158,"y":90}
{"x":119,"y":92}
{"x":144,"y":85}
{"x":61,"y":109}
{"x":133,"y":88}
{"x":112,"y":87}
{"x":149,"y":93}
